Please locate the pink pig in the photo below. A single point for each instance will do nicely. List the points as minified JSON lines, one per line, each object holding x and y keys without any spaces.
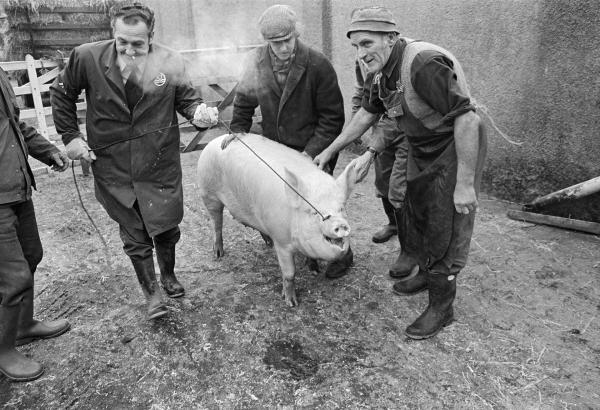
{"x":235,"y":178}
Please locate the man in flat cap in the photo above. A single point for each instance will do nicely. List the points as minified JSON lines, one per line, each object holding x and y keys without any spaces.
{"x":298,"y":94}
{"x":423,"y":87}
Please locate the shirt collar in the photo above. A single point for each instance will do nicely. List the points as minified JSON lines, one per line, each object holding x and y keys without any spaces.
{"x":395,"y":57}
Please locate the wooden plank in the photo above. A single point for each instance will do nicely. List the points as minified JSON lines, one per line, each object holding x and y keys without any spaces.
{"x":22,"y":65}
{"x":66,"y":9}
{"x":219,"y":50}
{"x":61,"y":26}
{"x":565,"y":223}
{"x":207,"y":81}
{"x":218,"y":89}
{"x":71,"y":42}
{"x":32,"y":113}
{"x":37,"y":98}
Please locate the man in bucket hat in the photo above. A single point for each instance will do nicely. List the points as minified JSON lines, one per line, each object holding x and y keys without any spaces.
{"x":422,"y":86}
{"x":298,"y":94}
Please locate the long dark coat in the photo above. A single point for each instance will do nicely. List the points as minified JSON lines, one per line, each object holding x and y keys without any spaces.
{"x":307,"y":115}
{"x":147,"y":169}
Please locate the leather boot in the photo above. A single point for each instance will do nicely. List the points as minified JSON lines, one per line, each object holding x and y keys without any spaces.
{"x":30,"y":329}
{"x":411,"y":286}
{"x":339,"y":268}
{"x":165,"y":255}
{"x":14,"y":365}
{"x":439,"y":312}
{"x":405,"y":263}
{"x":389,"y":230}
{"x":144,"y":269}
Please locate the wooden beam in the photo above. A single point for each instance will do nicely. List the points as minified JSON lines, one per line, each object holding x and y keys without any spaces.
{"x":565,"y":223}
{"x":37,"y":98}
{"x":62,"y":26}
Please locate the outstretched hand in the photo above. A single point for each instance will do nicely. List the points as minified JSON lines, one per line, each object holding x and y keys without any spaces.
{"x":362,"y":165}
{"x":227,"y":140}
{"x":322,"y":159}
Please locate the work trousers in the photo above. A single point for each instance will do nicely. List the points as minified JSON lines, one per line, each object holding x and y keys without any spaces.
{"x":138,"y":244}
{"x":20,"y":251}
{"x":390,"y":165}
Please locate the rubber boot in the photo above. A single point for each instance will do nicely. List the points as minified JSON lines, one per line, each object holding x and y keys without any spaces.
{"x":144,"y":269}
{"x":439,"y":312}
{"x":165,"y":255}
{"x":14,"y":365}
{"x":30,"y":329}
{"x":411,"y":286}
{"x":389,"y":230}
{"x":405,"y":263}
{"x":339,"y":268}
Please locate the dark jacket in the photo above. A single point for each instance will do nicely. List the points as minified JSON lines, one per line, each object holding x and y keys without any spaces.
{"x":146,"y":169}
{"x":17,"y":141}
{"x":307,"y":115}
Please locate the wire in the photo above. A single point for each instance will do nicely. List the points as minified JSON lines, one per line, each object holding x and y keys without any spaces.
{"x":324,"y":218}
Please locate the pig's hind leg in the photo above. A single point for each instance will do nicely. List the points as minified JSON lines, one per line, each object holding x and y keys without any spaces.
{"x":215,"y":209}
{"x":288,"y":272}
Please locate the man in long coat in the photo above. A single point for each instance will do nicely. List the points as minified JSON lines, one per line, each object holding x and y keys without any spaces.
{"x":298,"y":94}
{"x":134,"y":87}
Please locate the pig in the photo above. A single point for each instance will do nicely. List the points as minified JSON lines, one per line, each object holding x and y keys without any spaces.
{"x":236,"y":178}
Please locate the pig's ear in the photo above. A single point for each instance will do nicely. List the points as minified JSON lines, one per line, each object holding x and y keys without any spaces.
{"x":347,"y":180}
{"x":296,"y":183}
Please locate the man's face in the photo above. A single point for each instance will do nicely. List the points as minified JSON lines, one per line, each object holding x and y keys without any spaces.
{"x":132,"y":40}
{"x":283,"y":49}
{"x":372,"y":49}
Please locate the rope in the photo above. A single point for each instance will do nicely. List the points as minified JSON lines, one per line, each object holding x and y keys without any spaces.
{"x":101,"y":147}
{"x":484,"y":110}
{"x":104,"y":244}
{"x":324,"y":218}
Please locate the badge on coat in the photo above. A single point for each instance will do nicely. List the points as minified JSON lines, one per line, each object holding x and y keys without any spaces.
{"x":160,"y":80}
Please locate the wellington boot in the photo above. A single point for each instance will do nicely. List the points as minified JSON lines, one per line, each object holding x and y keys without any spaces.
{"x":389,"y":230}
{"x":413,"y":285}
{"x":339,"y":268}
{"x":14,"y":365}
{"x":165,"y":255}
{"x":30,"y":329}
{"x":405,"y":264}
{"x":439,"y":312}
{"x":144,"y":269}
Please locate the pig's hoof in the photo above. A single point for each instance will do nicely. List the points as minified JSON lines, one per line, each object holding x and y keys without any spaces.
{"x":290,"y":297}
{"x":218,"y":252}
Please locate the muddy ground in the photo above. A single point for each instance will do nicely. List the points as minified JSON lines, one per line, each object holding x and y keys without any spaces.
{"x":526,"y":335}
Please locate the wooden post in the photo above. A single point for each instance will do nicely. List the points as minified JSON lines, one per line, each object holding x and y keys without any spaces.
{"x":575,"y":191}
{"x":565,"y":223}
{"x":34,"y":83}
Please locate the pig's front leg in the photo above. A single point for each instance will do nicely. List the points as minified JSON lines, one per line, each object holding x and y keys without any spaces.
{"x":288,"y":271}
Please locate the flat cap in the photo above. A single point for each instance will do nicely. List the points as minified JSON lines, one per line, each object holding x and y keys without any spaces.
{"x":277,"y":23}
{"x":374,"y":18}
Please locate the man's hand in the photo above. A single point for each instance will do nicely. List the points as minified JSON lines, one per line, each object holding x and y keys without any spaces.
{"x":362,"y":165}
{"x":61,"y":161}
{"x":205,"y":117}
{"x":78,"y":149}
{"x":227,"y":140}
{"x":323,"y":158}
{"x":465,"y":200}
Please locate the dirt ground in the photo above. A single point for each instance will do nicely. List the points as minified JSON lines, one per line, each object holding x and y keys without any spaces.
{"x":527,"y":333}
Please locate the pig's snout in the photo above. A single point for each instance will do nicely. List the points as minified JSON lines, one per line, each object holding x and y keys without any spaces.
{"x":336,"y":228}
